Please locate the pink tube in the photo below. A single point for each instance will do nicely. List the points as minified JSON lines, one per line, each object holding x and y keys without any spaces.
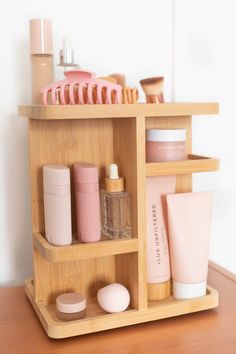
{"x":87,"y":202}
{"x":189,"y":219}
{"x":158,"y":262}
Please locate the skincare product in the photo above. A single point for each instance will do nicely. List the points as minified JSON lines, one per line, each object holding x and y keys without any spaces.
{"x":41,"y":56}
{"x":57,"y":204}
{"x":87,"y":202}
{"x":153,"y":89}
{"x":70,"y":306}
{"x":189,"y":219}
{"x":115,"y":206}
{"x":157,"y":248}
{"x":113,"y":298}
{"x":166,"y":145}
{"x":66,"y":60}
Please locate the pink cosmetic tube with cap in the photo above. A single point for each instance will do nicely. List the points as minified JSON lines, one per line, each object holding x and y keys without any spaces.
{"x":157,"y":248}
{"x":87,"y":202}
{"x":57,"y":204}
{"x":189,"y":221}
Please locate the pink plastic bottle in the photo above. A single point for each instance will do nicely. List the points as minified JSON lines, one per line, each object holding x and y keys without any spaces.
{"x":57,"y":204}
{"x":87,"y":202}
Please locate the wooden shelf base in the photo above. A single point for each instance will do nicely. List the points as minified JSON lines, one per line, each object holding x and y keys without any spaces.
{"x":97,"y":320}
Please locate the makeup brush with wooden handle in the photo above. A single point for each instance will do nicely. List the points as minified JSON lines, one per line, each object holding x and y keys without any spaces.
{"x":153,"y":89}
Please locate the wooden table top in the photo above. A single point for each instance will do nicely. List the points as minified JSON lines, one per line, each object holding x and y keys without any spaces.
{"x":212,"y":331}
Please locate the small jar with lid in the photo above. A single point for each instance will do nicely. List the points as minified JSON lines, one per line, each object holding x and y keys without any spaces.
{"x":166,"y":145}
{"x":70,"y":306}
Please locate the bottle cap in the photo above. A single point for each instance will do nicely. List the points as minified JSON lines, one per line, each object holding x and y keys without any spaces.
{"x":41,"y":36}
{"x":158,"y":291}
{"x":165,"y":134}
{"x":188,"y":291}
{"x":67,"y":53}
{"x":56,"y":175}
{"x":114,"y":183}
{"x":70,"y":302}
{"x":86,"y":173}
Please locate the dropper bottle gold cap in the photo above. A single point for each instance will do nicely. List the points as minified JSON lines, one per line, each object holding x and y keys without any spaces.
{"x":114,"y":183}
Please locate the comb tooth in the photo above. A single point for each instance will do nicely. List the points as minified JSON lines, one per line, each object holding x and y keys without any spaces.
{"x":109,"y":96}
{"x":71,"y":93}
{"x":119,"y":96}
{"x":45,"y":96}
{"x":62,"y":97}
{"x":99,"y":94}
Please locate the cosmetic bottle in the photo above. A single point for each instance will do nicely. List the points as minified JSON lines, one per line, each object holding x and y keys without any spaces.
{"x":115,"y":206}
{"x":41,"y":56}
{"x":87,"y":202}
{"x":57,"y":204}
{"x":189,"y":219}
{"x":157,"y":247}
{"x":66,"y":60}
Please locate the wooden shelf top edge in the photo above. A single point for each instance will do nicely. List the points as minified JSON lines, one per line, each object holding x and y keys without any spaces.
{"x":56,"y":112}
{"x":80,"y":251}
{"x":195,"y":163}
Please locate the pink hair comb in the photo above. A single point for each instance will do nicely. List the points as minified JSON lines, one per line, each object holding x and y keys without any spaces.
{"x":81,"y":87}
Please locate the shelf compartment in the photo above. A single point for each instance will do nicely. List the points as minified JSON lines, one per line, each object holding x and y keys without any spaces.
{"x":80,"y":251}
{"x":97,"y":320}
{"x":195,"y":163}
{"x":66,"y":112}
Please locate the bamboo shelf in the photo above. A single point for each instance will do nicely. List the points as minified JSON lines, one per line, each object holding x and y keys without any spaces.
{"x":102,"y":134}
{"x":83,"y":251}
{"x":195,"y":163}
{"x":97,"y":320}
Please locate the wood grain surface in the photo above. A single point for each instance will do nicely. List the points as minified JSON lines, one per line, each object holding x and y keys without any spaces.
{"x":90,"y":111}
{"x":206,"y":332}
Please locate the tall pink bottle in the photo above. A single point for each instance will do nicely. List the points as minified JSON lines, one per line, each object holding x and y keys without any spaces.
{"x":87,"y":202}
{"x":57,"y":204}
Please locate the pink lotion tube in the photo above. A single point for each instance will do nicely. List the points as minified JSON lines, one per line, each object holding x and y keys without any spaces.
{"x":158,"y":261}
{"x":189,"y":219}
{"x":87,"y":202}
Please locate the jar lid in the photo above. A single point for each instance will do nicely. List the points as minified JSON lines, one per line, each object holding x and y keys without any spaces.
{"x":165,"y":134}
{"x":70,"y":302}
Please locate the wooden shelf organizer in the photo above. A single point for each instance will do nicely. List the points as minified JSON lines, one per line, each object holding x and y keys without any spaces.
{"x":103,"y":134}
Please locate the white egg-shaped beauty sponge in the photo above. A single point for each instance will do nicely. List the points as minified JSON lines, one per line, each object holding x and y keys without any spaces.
{"x":113,"y":298}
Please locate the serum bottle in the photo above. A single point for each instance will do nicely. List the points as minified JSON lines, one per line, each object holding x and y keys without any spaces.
{"x":66,"y":60}
{"x":41,"y":48}
{"x":115,"y":207}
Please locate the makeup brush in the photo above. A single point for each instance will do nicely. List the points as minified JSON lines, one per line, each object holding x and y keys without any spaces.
{"x":153,"y":89}
{"x":120,"y":79}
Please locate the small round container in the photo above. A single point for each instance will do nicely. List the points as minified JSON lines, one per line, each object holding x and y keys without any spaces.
{"x":70,"y":306}
{"x":166,"y":145}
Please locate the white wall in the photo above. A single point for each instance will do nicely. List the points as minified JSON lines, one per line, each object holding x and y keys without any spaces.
{"x":136,"y":38}
{"x":205,"y":69}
